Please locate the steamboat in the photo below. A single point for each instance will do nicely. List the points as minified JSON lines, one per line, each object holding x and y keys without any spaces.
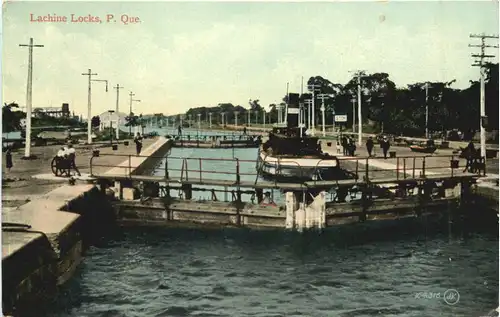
{"x":291,"y":153}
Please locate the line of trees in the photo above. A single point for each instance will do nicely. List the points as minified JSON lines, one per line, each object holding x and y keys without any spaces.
{"x":390,"y":109}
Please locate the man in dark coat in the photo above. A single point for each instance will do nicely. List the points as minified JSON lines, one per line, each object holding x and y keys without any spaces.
{"x":385,"y":145}
{"x":369,"y":146}
{"x":138,"y":143}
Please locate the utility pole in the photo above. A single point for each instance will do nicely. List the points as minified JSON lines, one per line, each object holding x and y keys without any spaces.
{"x":210,"y":120}
{"x":256,"y":117}
{"x":353,"y":100}
{"x":236,"y":118}
{"x":248,"y":117}
{"x":427,"y":110}
{"x":130,"y":111}
{"x":481,"y":64}
{"x":223,"y":114}
{"x":359,"y":74}
{"x":264,"y":118}
{"x":323,"y":96}
{"x":199,"y":121}
{"x":89,"y":123}
{"x":313,"y":110}
{"x":118,"y":87}
{"x":29,"y":94}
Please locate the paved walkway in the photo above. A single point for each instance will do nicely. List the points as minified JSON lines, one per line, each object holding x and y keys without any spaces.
{"x":435,"y":164}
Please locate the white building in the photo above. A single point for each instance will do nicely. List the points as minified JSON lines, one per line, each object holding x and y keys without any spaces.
{"x":107,"y":117}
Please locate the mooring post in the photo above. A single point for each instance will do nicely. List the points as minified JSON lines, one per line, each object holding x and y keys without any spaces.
{"x":291,"y":207}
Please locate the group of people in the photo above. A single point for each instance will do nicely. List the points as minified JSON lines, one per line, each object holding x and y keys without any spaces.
{"x":348,"y":145}
{"x":66,"y":157}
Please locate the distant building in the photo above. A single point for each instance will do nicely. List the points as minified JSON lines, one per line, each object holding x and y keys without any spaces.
{"x":107,"y":117}
{"x":62,"y":112}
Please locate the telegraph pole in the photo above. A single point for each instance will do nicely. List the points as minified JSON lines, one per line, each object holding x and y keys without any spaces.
{"x":210,"y":120}
{"x":313,"y":111}
{"x":427,"y":110}
{"x":130,"y":111}
{"x":236,"y":118}
{"x":481,"y":64}
{"x":118,"y":87}
{"x":264,"y":118}
{"x":360,"y":74}
{"x":89,"y":103}
{"x":323,"y":96}
{"x":353,"y":100}
{"x":29,"y":94}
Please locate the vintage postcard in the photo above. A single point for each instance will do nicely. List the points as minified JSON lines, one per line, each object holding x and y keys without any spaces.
{"x":225,"y":158}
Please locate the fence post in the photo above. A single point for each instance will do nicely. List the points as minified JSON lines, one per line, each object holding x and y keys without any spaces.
{"x":238,"y":172}
{"x":452,"y":167}
{"x":129,"y":164}
{"x":423,"y":167}
{"x":414,"y":162}
{"x":166,"y":168}
{"x":199,"y":159}
{"x":397,"y":168}
{"x":404,"y":167}
{"x":357,"y":168}
{"x":367,"y":170}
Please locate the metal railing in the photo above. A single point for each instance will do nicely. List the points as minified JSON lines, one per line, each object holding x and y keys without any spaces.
{"x":414,"y":166}
{"x":234,"y":169}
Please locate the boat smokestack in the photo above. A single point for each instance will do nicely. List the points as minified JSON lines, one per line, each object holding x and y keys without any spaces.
{"x":293,"y":111}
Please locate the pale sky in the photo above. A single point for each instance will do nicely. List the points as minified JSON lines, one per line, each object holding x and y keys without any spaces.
{"x":184,"y":55}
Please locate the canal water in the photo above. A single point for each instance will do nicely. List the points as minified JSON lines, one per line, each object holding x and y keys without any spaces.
{"x":413,"y":269}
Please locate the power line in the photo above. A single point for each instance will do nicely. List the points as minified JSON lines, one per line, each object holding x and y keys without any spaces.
{"x":480,"y":62}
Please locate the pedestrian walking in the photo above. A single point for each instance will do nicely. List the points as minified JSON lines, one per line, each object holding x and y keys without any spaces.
{"x":138,"y":143}
{"x":8,"y":159}
{"x":179,"y":131}
{"x":470,"y":154}
{"x":385,"y":145}
{"x":71,"y":153}
{"x":369,"y":146}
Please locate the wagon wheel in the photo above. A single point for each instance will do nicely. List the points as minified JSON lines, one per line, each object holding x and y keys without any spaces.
{"x":53,"y":166}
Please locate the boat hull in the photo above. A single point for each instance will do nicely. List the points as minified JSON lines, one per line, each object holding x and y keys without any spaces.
{"x":299,"y":169}
{"x":420,"y":149}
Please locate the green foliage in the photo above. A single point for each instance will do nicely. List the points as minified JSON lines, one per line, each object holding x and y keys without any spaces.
{"x":11,"y":120}
{"x":95,"y":122}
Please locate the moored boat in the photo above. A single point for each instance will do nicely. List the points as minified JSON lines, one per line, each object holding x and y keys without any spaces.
{"x":290,"y":153}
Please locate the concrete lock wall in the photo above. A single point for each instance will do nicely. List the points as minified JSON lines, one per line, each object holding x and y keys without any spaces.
{"x":36,"y":261}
